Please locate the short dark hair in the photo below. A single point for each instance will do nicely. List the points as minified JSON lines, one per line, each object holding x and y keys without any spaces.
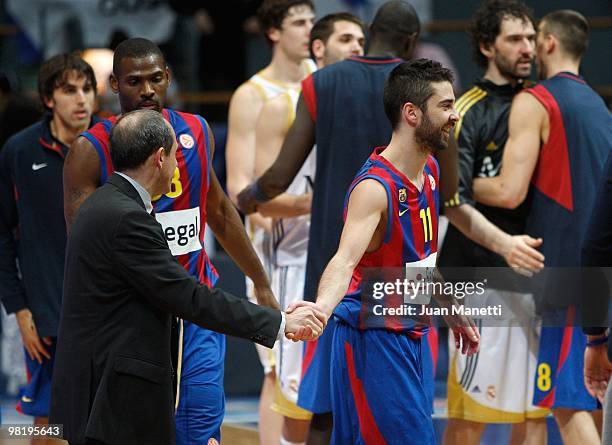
{"x":486,"y":23}
{"x":324,"y":27}
{"x":411,"y":82}
{"x":54,"y":74}
{"x":136,"y":136}
{"x":271,"y":13}
{"x":571,"y":28}
{"x":395,"y":19}
{"x":136,"y":48}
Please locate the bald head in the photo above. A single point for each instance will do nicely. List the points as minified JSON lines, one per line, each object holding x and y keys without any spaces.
{"x":136,"y":136}
{"x":396,"y":26}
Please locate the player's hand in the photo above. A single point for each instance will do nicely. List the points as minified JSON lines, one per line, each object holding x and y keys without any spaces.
{"x":597,"y":370}
{"x":465,"y":332}
{"x":246,"y":201}
{"x":29,"y":335}
{"x":265,"y":297}
{"x":304,"y":321}
{"x":521,"y":254}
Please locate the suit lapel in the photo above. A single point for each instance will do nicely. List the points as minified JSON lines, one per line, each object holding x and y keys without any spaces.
{"x":126,"y":188}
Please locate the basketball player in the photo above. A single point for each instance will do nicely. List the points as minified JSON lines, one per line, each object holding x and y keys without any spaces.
{"x":286,"y":26}
{"x":560,"y":135}
{"x":333,"y":38}
{"x":376,"y":363}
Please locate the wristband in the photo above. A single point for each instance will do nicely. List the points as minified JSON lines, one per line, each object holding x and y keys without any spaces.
{"x":597,"y":341}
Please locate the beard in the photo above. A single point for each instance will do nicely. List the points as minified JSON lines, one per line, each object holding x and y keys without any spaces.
{"x":431,"y":137}
{"x":509,"y":69}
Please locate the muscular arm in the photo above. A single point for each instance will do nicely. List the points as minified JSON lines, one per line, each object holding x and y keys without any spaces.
{"x":81,"y":176}
{"x":525,"y":131}
{"x":272,"y":126}
{"x":367,"y":204}
{"x":227,"y":226}
{"x":296,"y":147}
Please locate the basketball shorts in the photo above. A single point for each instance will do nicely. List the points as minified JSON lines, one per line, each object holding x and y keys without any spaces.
{"x":559,"y":379}
{"x":36,"y":395}
{"x":496,"y":384}
{"x":377,"y":388}
{"x":201,"y":398}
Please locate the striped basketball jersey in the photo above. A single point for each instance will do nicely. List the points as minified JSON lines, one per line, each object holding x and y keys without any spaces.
{"x":182,"y":211}
{"x":290,"y":235}
{"x":569,"y":167}
{"x":411,"y":236}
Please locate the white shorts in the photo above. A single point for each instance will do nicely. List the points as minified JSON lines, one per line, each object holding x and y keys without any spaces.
{"x":496,"y":384}
{"x":262,"y":246}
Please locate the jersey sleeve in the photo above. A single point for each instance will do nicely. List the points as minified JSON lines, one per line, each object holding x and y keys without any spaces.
{"x":310,"y":97}
{"x":466,"y":135}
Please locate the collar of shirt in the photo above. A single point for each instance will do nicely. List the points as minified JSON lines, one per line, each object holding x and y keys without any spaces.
{"x":144,"y":195}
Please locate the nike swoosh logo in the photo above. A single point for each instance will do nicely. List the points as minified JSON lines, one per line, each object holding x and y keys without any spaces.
{"x":38,"y":166}
{"x":401,"y":212}
{"x":26,"y":399}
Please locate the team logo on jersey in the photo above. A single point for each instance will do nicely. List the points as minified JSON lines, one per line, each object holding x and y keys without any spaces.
{"x":492,"y":146}
{"x":212,"y":441}
{"x":186,"y":140}
{"x":402,"y":195}
{"x":491,"y":393}
{"x":432,"y":182}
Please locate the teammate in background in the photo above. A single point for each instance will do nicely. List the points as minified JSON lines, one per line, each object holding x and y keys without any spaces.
{"x":333,"y":38}
{"x":560,"y":135}
{"x":385,"y":203}
{"x":347,"y":94}
{"x":32,"y":227}
{"x":500,"y":386}
{"x":286,"y":25}
{"x":141,"y":78}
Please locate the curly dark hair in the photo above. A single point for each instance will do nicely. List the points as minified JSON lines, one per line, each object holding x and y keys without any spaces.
{"x":486,"y":23}
{"x":271,"y":13}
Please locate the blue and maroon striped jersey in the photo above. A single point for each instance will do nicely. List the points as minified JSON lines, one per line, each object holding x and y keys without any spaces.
{"x":411,"y":236}
{"x":570,"y":166}
{"x":182,"y":211}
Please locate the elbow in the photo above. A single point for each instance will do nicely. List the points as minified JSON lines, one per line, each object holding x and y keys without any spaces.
{"x":513,"y":199}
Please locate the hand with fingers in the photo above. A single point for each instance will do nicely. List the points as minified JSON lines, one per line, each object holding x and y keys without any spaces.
{"x":465,"y":332}
{"x":304,"y":321}
{"x":29,"y":335}
{"x":597,"y":370}
{"x":522,"y":255}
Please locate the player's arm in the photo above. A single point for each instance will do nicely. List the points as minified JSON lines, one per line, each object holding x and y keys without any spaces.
{"x":272,"y":125}
{"x":509,"y":189}
{"x":227,"y":226}
{"x":296,"y":147}
{"x":81,"y":176}
{"x":366,"y":207}
{"x":519,"y":251}
{"x":12,"y":292}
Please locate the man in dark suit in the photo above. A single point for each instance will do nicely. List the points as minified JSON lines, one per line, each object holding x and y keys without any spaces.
{"x":112,"y":377}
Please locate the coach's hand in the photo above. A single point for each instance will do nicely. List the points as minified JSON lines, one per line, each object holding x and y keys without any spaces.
{"x":597,"y":370}
{"x":521,"y":254}
{"x":31,"y":341}
{"x":304,"y":321}
{"x":467,"y":337}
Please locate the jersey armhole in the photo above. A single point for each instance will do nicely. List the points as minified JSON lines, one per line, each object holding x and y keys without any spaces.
{"x":310,"y":98}
{"x":388,"y":229}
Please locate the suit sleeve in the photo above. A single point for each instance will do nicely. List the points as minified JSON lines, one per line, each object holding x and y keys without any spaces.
{"x":467,"y":140}
{"x":12,"y":293}
{"x":145,"y":262}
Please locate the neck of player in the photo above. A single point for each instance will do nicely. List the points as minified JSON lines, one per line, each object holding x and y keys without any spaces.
{"x":494,"y":75}
{"x":408,"y":157}
{"x":286,"y":69}
{"x":561,"y":65}
{"x":66,"y":135}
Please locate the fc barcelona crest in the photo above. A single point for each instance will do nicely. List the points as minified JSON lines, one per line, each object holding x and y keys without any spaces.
{"x":402,"y":195}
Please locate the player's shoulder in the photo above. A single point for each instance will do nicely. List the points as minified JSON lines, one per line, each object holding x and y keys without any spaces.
{"x":280,"y":104}
{"x":472,"y":102}
{"x":26,"y":137}
{"x":249,"y":93}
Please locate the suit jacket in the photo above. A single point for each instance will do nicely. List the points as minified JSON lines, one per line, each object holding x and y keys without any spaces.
{"x":112,"y":376}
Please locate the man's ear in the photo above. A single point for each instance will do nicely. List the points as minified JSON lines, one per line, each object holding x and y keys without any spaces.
{"x":273,"y":34}
{"x":49,"y":102}
{"x":486,"y":50}
{"x":168,"y":75}
{"x":550,"y":43}
{"x":318,"y":48}
{"x":411,"y":114}
{"x":114,"y":83}
{"x":159,"y":157}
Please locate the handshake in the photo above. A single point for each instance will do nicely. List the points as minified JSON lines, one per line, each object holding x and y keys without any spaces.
{"x":304,"y":321}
